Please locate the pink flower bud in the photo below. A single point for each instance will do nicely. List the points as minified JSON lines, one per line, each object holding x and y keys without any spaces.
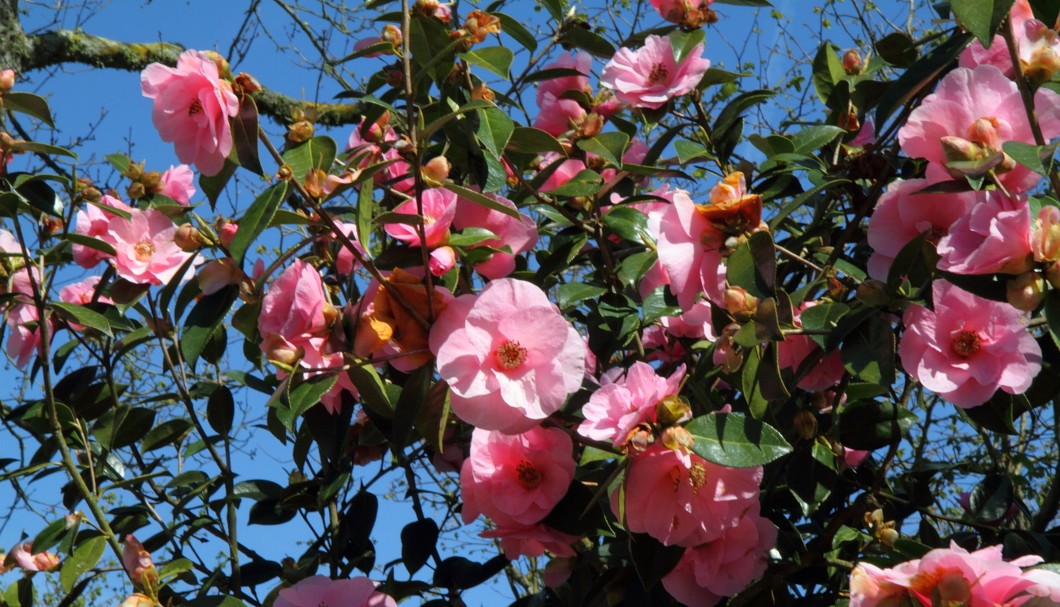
{"x":436,"y":171}
{"x":741,"y":304}
{"x":852,"y":62}
{"x":7,"y":80}
{"x":1045,"y":240}
{"x":226,"y":232}
{"x":1026,"y":291}
{"x":138,"y":563}
{"x":442,"y":260}
{"x":188,"y":238}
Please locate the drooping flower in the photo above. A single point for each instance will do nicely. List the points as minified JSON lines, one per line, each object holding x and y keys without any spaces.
{"x":649,"y":77}
{"x":960,"y":128}
{"x":968,"y":347}
{"x":320,"y":591}
{"x":516,"y":479}
{"x":192,"y":107}
{"x":686,"y":13}
{"x":725,"y":566}
{"x":385,"y":327}
{"x":439,"y":207}
{"x":615,"y":410}
{"x":682,"y":499}
{"x":508,"y":355}
{"x":145,"y":251}
{"x":993,"y":236}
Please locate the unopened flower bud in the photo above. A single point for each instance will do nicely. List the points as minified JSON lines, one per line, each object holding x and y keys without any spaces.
{"x":300,"y":131}
{"x":741,"y":304}
{"x":247,"y":84}
{"x":52,"y":225}
{"x":7,"y":80}
{"x":1044,"y":64}
{"x":392,"y":34}
{"x":139,"y":600}
{"x":852,"y":63}
{"x":848,"y":121}
{"x":672,"y":410}
{"x":805,"y":423}
{"x":139,"y":564}
{"x":315,"y":180}
{"x":888,"y":536}
{"x":678,"y":439}
{"x":188,"y":238}
{"x":279,"y":350}
{"x":136,"y":191}
{"x":91,"y":194}
{"x":135,"y":171}
{"x":442,"y":260}
{"x":607,"y":107}
{"x":152,"y":181}
{"x":226,"y":231}
{"x":1026,"y":291}
{"x":590,"y":126}
{"x":873,"y":293}
{"x":436,"y":171}
{"x":1045,"y":240}
{"x":395,"y":77}
{"x":1052,"y":275}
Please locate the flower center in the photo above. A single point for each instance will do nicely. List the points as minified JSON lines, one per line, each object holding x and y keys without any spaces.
{"x":429,"y":220}
{"x":697,"y":475}
{"x":935,"y":234}
{"x":658,"y":73}
{"x":195,"y":107}
{"x":966,"y":343}
{"x":144,"y":250}
{"x":510,"y":355}
{"x":529,"y":476}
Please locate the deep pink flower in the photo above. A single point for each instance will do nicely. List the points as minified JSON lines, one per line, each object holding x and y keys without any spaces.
{"x":557,"y":115}
{"x":689,"y":13}
{"x":295,"y":312}
{"x":516,"y":479}
{"x":519,"y":235}
{"x":692,"y":266}
{"x":145,"y":252}
{"x":192,"y":105}
{"x":93,"y":220}
{"x":968,"y":347}
{"x":969,"y":116}
{"x":649,"y":77}
{"x":441,"y":261}
{"x":994,"y":236}
{"x":725,"y":566}
{"x":178,"y":182}
{"x":320,"y":591}
{"x":902,"y":214}
{"x":508,"y":355}
{"x":616,"y":408}
{"x":439,"y":208}
{"x":682,"y":499}
{"x":826,"y":371}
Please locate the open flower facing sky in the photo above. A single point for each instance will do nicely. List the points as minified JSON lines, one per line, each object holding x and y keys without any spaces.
{"x":192,"y":105}
{"x":508,"y":355}
{"x":616,"y":408}
{"x":649,"y":76}
{"x":145,"y":252}
{"x":968,"y":347}
{"x":320,"y":591}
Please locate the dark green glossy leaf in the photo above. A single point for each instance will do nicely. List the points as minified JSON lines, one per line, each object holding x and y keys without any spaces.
{"x":316,"y":153}
{"x":221,"y":410}
{"x":981,"y":17}
{"x":735,"y":440}
{"x":29,"y":104}
{"x":256,"y":219}
{"x":206,"y":318}
{"x":83,"y":315}
{"x":418,"y":540}
{"x":870,"y":425}
{"x":496,"y":59}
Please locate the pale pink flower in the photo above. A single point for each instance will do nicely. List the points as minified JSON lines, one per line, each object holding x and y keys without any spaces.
{"x":557,"y":115}
{"x":692,"y":266}
{"x":649,"y":77}
{"x":997,"y":55}
{"x":295,"y":311}
{"x":345,"y":262}
{"x":972,"y":113}
{"x":218,"y":274}
{"x":320,"y":591}
{"x":968,"y":347}
{"x":178,"y":182}
{"x":566,"y":169}
{"x":519,"y":235}
{"x":902,"y":214}
{"x":725,"y":566}
{"x":30,"y":561}
{"x":82,"y":293}
{"x":94,"y":221}
{"x":994,"y":236}
{"x":871,"y":586}
{"x":866,"y":135}
{"x":827,"y":369}
{"x":615,"y":410}
{"x":508,"y":355}
{"x":9,"y":244}
{"x":581,"y":62}
{"x":682,"y":499}
{"x":192,"y":107}
{"x":532,"y":540}
{"x":24,"y":336}
{"x":145,"y":252}
{"x":516,"y":479}
{"x":439,"y":207}
{"x":138,"y":562}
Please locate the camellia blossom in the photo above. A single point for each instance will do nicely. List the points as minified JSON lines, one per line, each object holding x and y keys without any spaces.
{"x":993,"y":236}
{"x":649,"y":77}
{"x":192,"y":107}
{"x":615,"y":410}
{"x":508,"y":355}
{"x":968,"y":347}
{"x":686,"y":13}
{"x":682,"y":499}
{"x":725,"y":566}
{"x":439,"y":207}
{"x":145,"y":252}
{"x":516,"y":479}
{"x":519,"y":235}
{"x":961,"y":127}
{"x":178,"y":182}
{"x":31,"y":561}
{"x":320,"y":591}
{"x":295,"y":313}
{"x":827,"y":369}
{"x":94,"y":221}
{"x":1037,"y":47}
{"x":558,"y":114}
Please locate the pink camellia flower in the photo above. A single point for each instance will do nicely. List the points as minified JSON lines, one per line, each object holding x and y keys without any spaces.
{"x":692,"y":266}
{"x":192,"y":105}
{"x":82,"y":293}
{"x":145,"y":252}
{"x":557,"y":115}
{"x":30,"y":561}
{"x":968,"y":347}
{"x":687,"y":13}
{"x":532,"y":541}
{"x":138,"y":563}
{"x":295,"y":315}
{"x":94,"y":221}
{"x":320,"y":591}
{"x":961,"y":127}
{"x":581,"y":62}
{"x":682,"y":499}
{"x":508,"y":355}
{"x":615,"y":410}
{"x":725,"y":566}
{"x":218,"y":274}
{"x":903,"y":214}
{"x":1038,"y":47}
{"x":825,"y":372}
{"x":519,"y":235}
{"x":439,"y":207}
{"x":565,"y":170}
{"x":516,"y":479}
{"x":994,"y":236}
{"x":871,"y":586}
{"x":23,"y":318}
{"x":178,"y":182}
{"x":649,"y":77}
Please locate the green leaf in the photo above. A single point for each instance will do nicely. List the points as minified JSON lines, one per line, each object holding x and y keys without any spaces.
{"x":86,"y":316}
{"x":206,"y":318}
{"x":1038,"y":158}
{"x":418,"y":540}
{"x":245,"y":135}
{"x":119,"y":161}
{"x":728,"y":117}
{"x":528,"y":140}
{"x":571,"y":293}
{"x":753,"y":265}
{"x":514,"y":28}
{"x":870,"y":425}
{"x":688,"y":151}
{"x":496,"y":59}
{"x":165,"y":434}
{"x":827,"y":71}
{"x":372,"y":389}
{"x":494,"y":130}
{"x":42,"y":148}
{"x":683,"y":43}
{"x":628,"y":224}
{"x":221,"y":410}
{"x":482,"y":199}
{"x":814,"y":137}
{"x":92,"y":243}
{"x":213,"y":185}
{"x":469,"y":237}
{"x":609,"y":146}
{"x":256,"y":219}
{"x":83,"y":558}
{"x":303,"y":396}
{"x":50,"y":536}
{"x":868,"y":351}
{"x":745,"y":2}
{"x":316,"y":153}
{"x":29,"y":104}
{"x":897,"y":49}
{"x":981,"y":17}
{"x":587,"y":40}
{"x":413,"y":397}
{"x":735,"y":440}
